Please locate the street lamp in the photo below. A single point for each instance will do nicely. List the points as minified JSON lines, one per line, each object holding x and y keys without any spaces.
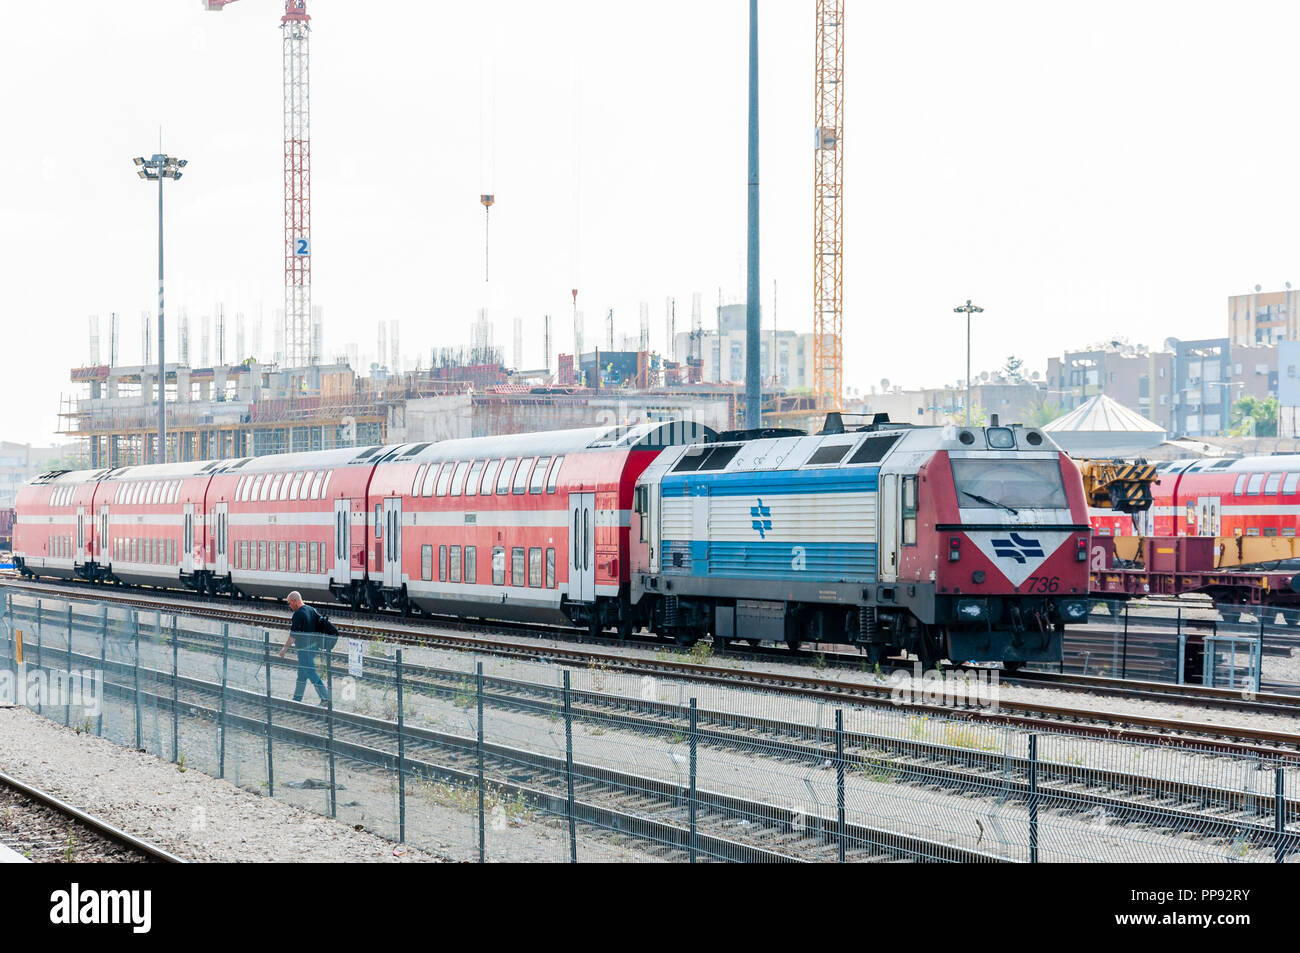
{"x":969,"y":309}
{"x":160,"y":167}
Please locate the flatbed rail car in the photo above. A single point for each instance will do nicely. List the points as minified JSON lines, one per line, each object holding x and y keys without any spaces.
{"x":1129,"y":566}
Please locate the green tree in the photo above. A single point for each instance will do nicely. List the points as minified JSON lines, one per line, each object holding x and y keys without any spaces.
{"x":1041,"y":413}
{"x":1253,"y":417}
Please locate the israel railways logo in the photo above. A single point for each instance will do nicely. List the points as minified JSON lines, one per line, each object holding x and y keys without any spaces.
{"x":1017,"y":547}
{"x":762,"y":518}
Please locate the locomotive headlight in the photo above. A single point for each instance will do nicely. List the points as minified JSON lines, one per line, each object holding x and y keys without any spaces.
{"x":1074,"y":609}
{"x":1001,"y":438}
{"x":972,"y":610}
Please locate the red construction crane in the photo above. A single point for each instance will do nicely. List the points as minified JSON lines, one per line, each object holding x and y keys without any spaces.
{"x":295,"y":26}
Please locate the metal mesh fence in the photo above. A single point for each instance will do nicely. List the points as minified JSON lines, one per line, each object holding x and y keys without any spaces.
{"x":495,"y":758}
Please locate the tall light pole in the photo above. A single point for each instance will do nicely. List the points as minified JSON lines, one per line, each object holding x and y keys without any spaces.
{"x":753,"y":386}
{"x":160,"y":167}
{"x":969,"y":309}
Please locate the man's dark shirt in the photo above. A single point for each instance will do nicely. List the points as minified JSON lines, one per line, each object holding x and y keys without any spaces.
{"x":304,"y":621}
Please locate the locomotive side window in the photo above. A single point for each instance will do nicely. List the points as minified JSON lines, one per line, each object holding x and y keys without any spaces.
{"x":535,"y":567}
{"x":517,"y":566}
{"x":550,"y":568}
{"x":426,"y":562}
{"x":691,"y":460}
{"x":640,"y":505}
{"x":503,"y":478}
{"x":521,"y":475}
{"x":471,"y":564}
{"x":1256,"y":481}
{"x":498,"y":566}
{"x":1274,"y":480}
{"x":475,"y":472}
{"x":719,"y":458}
{"x":454,"y":557}
{"x":302,"y":557}
{"x":539,"y":475}
{"x":909,"y":510}
{"x":554,"y":478}
{"x":828,"y":454}
{"x":442,"y":563}
{"x":1240,"y":487}
{"x":379,"y":521}
{"x":1288,"y":487}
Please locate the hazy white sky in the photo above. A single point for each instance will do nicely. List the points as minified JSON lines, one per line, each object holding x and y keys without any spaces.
{"x":1079,"y":170}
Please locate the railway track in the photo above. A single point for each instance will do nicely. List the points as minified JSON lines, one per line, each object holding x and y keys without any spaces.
{"x":1022,"y":714}
{"x":652,"y":808}
{"x":42,"y":828}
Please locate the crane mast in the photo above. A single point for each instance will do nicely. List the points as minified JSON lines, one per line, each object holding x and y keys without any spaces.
{"x":295,"y":27}
{"x":828,"y":214}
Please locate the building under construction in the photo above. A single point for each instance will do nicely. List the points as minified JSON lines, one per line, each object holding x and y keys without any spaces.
{"x":251,"y":409}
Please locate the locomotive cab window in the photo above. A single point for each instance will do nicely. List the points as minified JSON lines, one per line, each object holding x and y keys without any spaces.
{"x":1008,"y":484}
{"x":641,"y":506}
{"x":719,"y":457}
{"x":691,"y":460}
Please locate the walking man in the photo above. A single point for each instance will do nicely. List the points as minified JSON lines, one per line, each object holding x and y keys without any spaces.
{"x":307,"y":643}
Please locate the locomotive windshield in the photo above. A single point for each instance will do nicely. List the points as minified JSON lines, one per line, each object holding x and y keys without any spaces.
{"x":1009,"y":484}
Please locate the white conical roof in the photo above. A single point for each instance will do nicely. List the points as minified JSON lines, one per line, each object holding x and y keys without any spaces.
{"x":1104,"y":426}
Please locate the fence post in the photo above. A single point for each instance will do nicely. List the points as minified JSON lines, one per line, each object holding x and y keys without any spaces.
{"x":568,"y":768}
{"x":1182,"y":659}
{"x":1279,"y":815}
{"x":103,"y":668}
{"x":839,"y":776}
{"x":40,"y":695}
{"x":1124,"y":658}
{"x":135,"y":625}
{"x":1033,"y":799}
{"x":401,"y":758}
{"x":225,"y":668}
{"x":695,"y":725}
{"x":329,"y":719}
{"x":176,"y":712}
{"x":478,"y":743}
{"x":1259,"y":656}
{"x":68,"y":685}
{"x":270,"y":745}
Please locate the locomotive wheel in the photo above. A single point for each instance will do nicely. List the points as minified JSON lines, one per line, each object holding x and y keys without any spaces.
{"x":593,"y":629}
{"x":687,"y":637}
{"x":624,"y":629}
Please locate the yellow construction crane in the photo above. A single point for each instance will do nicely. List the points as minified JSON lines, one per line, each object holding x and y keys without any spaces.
{"x":828,"y":208}
{"x":1118,"y":485}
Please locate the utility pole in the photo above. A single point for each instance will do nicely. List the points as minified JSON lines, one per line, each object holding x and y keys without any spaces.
{"x":753,"y":385}
{"x":969,"y":309}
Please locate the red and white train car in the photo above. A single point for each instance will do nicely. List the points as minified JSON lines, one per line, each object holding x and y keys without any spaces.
{"x":1251,"y":496}
{"x":291,"y":521}
{"x":53,"y":531}
{"x":149,"y":527}
{"x":526,"y":526}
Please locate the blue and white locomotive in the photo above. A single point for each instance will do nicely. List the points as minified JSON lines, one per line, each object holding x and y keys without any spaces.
{"x":966,"y":543}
